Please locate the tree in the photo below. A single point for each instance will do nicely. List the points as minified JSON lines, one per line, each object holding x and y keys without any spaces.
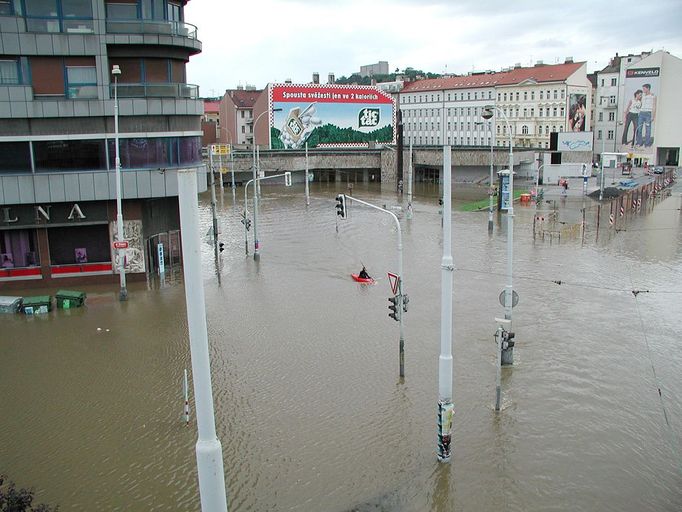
{"x":19,"y":500}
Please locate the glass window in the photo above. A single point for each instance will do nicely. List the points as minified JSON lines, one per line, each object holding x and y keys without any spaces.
{"x":6,"y":8}
{"x":81,"y":82}
{"x":76,"y":8}
{"x":614,"y":81}
{"x":69,"y":155}
{"x":9,"y":72}
{"x":174,"y":12}
{"x":122,"y":11}
{"x":42,"y":8}
{"x":15,"y":157}
{"x":159,"y":11}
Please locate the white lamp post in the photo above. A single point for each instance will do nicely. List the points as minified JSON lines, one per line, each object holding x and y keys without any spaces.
{"x":256,"y":244}
{"x":123,"y":294}
{"x":507,"y":354}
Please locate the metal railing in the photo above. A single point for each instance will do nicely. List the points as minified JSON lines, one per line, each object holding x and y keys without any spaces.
{"x":163,"y":27}
{"x":152,"y":90}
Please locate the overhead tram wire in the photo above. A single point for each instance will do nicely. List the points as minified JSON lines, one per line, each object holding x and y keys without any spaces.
{"x":562,"y":282}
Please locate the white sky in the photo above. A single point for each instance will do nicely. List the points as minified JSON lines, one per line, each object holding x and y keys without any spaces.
{"x":262,"y":41}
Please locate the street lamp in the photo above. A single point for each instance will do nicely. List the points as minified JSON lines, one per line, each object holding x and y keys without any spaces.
{"x":507,"y":353}
{"x":490,"y":186}
{"x":123,"y":294}
{"x":256,"y":245}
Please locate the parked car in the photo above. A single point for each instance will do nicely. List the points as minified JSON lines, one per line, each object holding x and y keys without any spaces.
{"x":659,"y":169}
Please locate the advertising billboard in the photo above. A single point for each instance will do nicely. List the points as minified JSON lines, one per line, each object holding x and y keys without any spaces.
{"x":574,"y":141}
{"x":329,"y":116}
{"x":577,"y":112}
{"x":642,"y":87}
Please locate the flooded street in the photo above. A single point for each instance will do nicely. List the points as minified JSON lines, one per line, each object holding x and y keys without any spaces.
{"x":310,"y":411}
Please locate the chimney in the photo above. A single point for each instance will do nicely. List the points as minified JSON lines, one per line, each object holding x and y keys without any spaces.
{"x":331,"y":78}
{"x":568,"y":60}
{"x":316,"y":78}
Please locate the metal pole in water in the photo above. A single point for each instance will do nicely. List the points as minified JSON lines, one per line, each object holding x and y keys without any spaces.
{"x":307,"y":186}
{"x":185,"y":392}
{"x":234,"y":193}
{"x":410,"y":171}
{"x":445,"y":405}
{"x":213,"y":208}
{"x":208,"y":449}
{"x":246,"y":217}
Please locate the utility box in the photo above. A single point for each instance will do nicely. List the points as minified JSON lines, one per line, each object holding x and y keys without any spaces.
{"x":67,"y":299}
{"x":37,"y":304}
{"x":10,"y":304}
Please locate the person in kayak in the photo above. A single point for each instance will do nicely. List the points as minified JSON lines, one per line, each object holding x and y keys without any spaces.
{"x":363,"y":273}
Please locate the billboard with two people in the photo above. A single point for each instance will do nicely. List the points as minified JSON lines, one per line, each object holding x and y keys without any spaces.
{"x":330,"y":116}
{"x":641,"y":89}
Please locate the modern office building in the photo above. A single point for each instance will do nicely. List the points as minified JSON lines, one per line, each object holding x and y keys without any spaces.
{"x":58,"y":138}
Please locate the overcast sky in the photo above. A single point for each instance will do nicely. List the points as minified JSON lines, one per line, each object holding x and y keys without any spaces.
{"x":261,"y":41}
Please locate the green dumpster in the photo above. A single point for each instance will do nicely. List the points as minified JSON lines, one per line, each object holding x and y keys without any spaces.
{"x":37,"y":304}
{"x":67,"y":299}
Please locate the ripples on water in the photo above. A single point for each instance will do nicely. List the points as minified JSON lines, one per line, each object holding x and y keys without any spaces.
{"x":309,"y":408}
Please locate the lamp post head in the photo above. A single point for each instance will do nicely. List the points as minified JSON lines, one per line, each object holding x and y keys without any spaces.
{"x":487,"y":112}
{"x":115,"y":70}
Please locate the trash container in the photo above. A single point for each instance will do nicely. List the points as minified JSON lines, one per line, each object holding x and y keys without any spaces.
{"x":10,"y":304}
{"x":37,"y":304}
{"x":67,"y":299}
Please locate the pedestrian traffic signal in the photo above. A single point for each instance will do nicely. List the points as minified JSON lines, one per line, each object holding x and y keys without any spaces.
{"x":341,"y":205}
{"x":394,"y":307}
{"x":221,"y":246}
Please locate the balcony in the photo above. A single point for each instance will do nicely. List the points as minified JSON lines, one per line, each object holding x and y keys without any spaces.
{"x":158,"y":27}
{"x":150,"y":90}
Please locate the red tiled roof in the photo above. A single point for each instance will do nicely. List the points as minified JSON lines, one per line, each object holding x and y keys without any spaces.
{"x":211,"y":106}
{"x":554,"y":73}
{"x":242,"y":98}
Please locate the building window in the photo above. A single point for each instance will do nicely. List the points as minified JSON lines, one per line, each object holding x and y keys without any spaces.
{"x":505,"y":96}
{"x":475,"y":95}
{"x":556,"y":94}
{"x":540,"y":112}
{"x":6,"y":8}
{"x":612,"y":116}
{"x":614,"y":82}
{"x":524,"y":130}
{"x":554,"y":111}
{"x":547,"y":129}
{"x":69,"y":155}
{"x":602,"y":82}
{"x":601,"y":116}
{"x":541,"y":95}
{"x":517,"y":96}
{"x":81,"y":82}
{"x":9,"y":72}
{"x":499,"y":96}
{"x":525,"y":112}
{"x":532,"y":95}
{"x":610,"y":135}
{"x":15,"y":157}
{"x":540,"y":130}
{"x":532,"y":112}
{"x":612,"y":100}
{"x":59,"y":16}
{"x":525,"y":95}
{"x":563,"y":94}
{"x":562,"y":111}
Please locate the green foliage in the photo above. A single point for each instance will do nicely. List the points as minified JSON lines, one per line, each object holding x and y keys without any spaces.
{"x":412,"y":73}
{"x":19,"y":500}
{"x":332,"y":134}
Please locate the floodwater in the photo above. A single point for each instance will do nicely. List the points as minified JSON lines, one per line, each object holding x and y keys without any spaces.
{"x":310,"y":410}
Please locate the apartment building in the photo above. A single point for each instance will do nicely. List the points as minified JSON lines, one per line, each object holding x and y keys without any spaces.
{"x":236,"y":115}
{"x":58,"y":139}
{"x":534,"y":101}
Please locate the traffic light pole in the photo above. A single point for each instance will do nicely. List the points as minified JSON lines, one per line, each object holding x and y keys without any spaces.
{"x":213,"y":207}
{"x":246,"y":209}
{"x":400,"y":275}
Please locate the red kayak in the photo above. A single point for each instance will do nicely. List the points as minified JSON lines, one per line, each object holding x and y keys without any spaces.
{"x":362,"y":279}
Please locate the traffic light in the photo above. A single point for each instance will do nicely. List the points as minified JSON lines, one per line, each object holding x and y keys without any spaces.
{"x":394,"y":307}
{"x":341,"y":205}
{"x":406,"y":299}
{"x":221,"y":246}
